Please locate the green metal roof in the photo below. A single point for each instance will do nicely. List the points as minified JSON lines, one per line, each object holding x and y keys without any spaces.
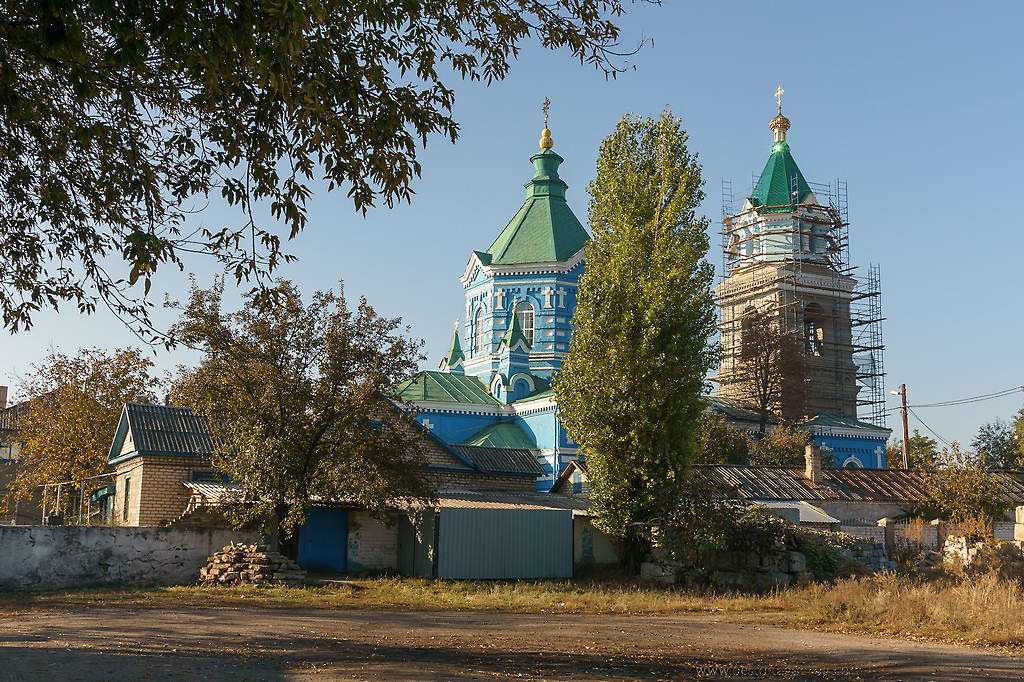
{"x":545,"y":228}
{"x":455,"y":355}
{"x":502,"y":435}
{"x":546,"y":393}
{"x":447,"y":388}
{"x":779,"y":180}
{"x":835,"y":420}
{"x":514,"y":333}
{"x":735,"y":409}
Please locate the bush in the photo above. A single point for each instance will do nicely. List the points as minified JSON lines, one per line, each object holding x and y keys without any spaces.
{"x":705,"y":524}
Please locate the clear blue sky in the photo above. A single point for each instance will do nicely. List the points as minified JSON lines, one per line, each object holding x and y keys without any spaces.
{"x":917,"y":105}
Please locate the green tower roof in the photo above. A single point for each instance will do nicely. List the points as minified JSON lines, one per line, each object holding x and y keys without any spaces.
{"x":545,"y":228}
{"x":455,"y":355}
{"x":781,"y":182}
{"x":514,"y":333}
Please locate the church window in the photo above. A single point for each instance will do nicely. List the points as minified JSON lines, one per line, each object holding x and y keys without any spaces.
{"x":478,"y":332}
{"x":814,"y":334}
{"x":524,"y":313}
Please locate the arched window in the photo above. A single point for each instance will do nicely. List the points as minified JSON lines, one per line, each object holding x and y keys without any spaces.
{"x":814,"y":334}
{"x":478,"y":332}
{"x":851,"y":463}
{"x":524,"y":312}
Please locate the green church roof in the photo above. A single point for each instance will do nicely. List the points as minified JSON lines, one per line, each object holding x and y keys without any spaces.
{"x":445,"y":387}
{"x":545,"y":228}
{"x":503,"y":435}
{"x":514,"y":333}
{"x":455,"y":355}
{"x":779,"y":180}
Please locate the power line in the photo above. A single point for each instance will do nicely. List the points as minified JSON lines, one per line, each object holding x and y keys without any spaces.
{"x":934,"y":432}
{"x":976,"y":398}
{"x":964,"y":401}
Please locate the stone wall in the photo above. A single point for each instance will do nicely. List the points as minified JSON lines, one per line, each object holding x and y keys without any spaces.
{"x":53,"y":557}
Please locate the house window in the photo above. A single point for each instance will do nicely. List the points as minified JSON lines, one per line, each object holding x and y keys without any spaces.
{"x":478,"y":332}
{"x":524,"y":313}
{"x":127,"y":496}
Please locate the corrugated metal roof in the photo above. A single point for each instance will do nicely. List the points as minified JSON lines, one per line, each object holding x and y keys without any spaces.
{"x":850,"y":485}
{"x":213,"y":492}
{"x":509,"y":500}
{"x":160,"y":429}
{"x":735,"y":409}
{"x":500,"y":460}
{"x":445,"y":387}
{"x":10,"y":415}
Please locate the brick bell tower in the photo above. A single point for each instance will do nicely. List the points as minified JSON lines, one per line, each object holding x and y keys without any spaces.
{"x":785,"y":255}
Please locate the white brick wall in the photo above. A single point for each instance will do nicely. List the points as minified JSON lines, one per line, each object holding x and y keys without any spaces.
{"x":372,"y":545}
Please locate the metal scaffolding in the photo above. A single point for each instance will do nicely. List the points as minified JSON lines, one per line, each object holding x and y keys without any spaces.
{"x":809,"y":252}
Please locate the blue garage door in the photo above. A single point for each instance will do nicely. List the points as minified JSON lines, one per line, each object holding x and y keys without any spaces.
{"x":505,"y":543}
{"x":322,"y":540}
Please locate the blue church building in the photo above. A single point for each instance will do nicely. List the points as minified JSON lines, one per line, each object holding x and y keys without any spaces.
{"x":492,"y":388}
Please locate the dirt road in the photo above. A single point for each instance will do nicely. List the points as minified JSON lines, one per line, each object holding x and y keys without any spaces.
{"x":279,"y":644}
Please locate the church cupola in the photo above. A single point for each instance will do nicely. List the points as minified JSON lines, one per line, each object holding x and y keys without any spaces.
{"x":781,"y":184}
{"x":521,"y":291}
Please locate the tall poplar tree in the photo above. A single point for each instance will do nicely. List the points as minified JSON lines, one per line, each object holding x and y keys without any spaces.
{"x":630,"y":390}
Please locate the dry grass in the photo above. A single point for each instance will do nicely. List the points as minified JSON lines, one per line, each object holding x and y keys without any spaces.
{"x":608,"y":596}
{"x":983,"y":610}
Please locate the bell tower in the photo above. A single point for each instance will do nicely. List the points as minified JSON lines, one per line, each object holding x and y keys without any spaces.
{"x":785,"y":255}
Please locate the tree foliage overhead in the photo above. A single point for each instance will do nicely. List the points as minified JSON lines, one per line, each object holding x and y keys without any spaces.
{"x":73,"y":406}
{"x":298,"y":397}
{"x":121,"y":118}
{"x":630,"y":390}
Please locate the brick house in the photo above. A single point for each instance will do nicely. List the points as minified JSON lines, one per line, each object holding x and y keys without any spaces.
{"x":163,"y":472}
{"x":157,"y":450}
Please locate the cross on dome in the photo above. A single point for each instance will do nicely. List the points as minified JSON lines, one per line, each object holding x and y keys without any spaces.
{"x":778,"y":98}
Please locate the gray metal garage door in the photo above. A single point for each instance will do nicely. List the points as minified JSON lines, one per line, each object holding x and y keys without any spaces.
{"x":505,"y":543}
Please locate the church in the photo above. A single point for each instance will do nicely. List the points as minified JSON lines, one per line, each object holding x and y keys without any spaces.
{"x":492,"y":388}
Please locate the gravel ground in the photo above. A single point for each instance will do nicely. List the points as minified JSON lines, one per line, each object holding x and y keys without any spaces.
{"x":288,"y":644}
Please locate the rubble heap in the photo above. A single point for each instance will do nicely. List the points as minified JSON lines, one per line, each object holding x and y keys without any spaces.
{"x":254,"y":564}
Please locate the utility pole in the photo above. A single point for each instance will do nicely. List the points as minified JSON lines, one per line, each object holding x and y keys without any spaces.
{"x":903,"y":398}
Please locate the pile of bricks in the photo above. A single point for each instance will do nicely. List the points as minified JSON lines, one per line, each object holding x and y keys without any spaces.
{"x":239,"y":564}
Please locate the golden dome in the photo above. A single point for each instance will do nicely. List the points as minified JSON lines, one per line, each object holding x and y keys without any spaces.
{"x":545,"y":139}
{"x":780,"y":122}
{"x":779,"y":125}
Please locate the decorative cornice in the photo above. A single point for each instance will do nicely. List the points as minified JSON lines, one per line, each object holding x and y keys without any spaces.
{"x":519,"y":268}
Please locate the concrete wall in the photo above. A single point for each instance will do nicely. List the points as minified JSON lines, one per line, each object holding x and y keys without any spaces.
{"x":52,"y":557}
{"x":872,"y":533}
{"x":372,"y":545}
{"x":591,"y":546}
{"x":861,"y":511}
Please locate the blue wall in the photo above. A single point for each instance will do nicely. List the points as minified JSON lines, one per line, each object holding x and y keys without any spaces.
{"x":842,"y":448}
